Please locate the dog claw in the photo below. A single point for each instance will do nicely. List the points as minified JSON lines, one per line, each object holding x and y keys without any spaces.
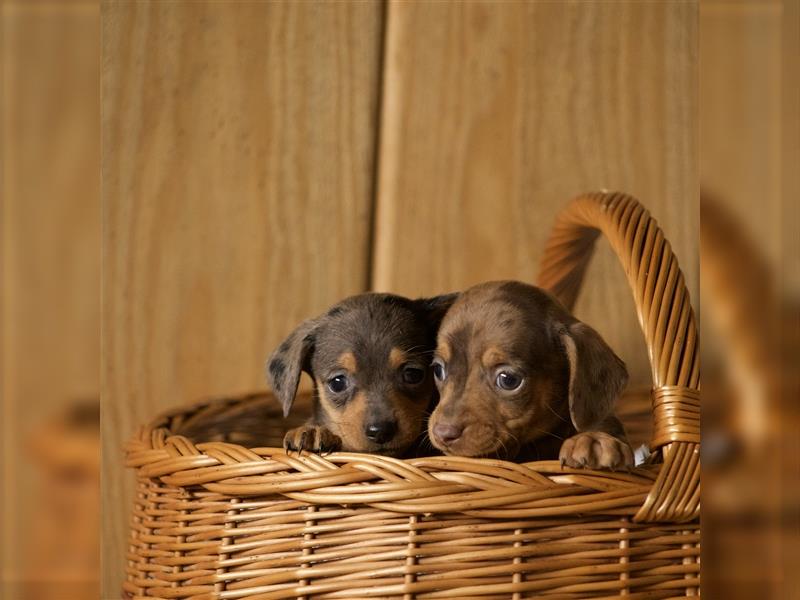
{"x":311,"y":438}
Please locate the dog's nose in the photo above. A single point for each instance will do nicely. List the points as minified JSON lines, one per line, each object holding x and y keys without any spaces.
{"x":447,"y":433}
{"x":381,"y":432}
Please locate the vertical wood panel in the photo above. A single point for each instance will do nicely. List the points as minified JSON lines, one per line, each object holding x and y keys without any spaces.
{"x":741,"y":122}
{"x":750,"y":134}
{"x":790,"y":176}
{"x":238,"y":167}
{"x":495,"y":114}
{"x":50,"y":273}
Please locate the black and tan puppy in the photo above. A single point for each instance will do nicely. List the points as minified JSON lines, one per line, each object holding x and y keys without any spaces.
{"x":518,"y":375}
{"x":369,"y":357}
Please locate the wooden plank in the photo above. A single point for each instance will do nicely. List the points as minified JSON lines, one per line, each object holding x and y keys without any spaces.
{"x":740,"y":115}
{"x":495,"y":114}
{"x":50,"y":273}
{"x":238,"y":159}
{"x":748,"y":165}
{"x":790,"y":176}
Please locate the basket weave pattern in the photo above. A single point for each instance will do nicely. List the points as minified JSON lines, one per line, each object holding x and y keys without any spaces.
{"x":222,"y":513}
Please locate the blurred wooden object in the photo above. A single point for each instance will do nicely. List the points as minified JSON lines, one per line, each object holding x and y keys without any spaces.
{"x":50,"y":255}
{"x":65,"y":533}
{"x":493,"y":114}
{"x":237,"y":177}
{"x":750,"y":132}
{"x":740,"y":118}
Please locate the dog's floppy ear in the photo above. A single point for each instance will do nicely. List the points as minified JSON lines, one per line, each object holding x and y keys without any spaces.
{"x":596,"y":375}
{"x":435,"y":307}
{"x":289,"y":360}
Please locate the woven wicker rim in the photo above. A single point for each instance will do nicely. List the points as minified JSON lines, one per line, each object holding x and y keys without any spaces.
{"x":666,"y":492}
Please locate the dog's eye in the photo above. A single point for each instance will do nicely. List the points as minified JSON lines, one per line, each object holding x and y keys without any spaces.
{"x":338,"y":384}
{"x":508,"y":381}
{"x":413,"y":375}
{"x":439,"y":371}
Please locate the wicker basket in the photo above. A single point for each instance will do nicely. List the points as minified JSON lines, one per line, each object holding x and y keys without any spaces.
{"x":222,"y":514}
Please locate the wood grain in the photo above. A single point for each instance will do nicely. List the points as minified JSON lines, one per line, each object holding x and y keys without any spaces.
{"x":496,"y":114}
{"x":750,"y":132}
{"x":238,"y":159}
{"x":740,"y":117}
{"x":50,"y":273}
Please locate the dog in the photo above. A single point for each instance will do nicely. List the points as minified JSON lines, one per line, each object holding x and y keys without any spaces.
{"x":369,"y":357}
{"x":520,"y":377}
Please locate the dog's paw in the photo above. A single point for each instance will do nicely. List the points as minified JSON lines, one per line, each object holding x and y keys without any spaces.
{"x":311,"y":438}
{"x":595,"y":450}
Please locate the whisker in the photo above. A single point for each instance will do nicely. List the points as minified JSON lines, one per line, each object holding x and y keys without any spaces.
{"x":550,"y":433}
{"x":550,"y":408}
{"x":415,"y":350}
{"x":505,"y":450}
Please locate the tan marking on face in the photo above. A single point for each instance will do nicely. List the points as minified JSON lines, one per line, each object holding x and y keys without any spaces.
{"x":327,"y":404}
{"x":322,"y":391}
{"x":410,"y":416}
{"x":347,"y":360}
{"x":397,"y":357}
{"x":351,"y":423}
{"x":443,"y":350}
{"x":348,"y":422}
{"x":493,"y":356}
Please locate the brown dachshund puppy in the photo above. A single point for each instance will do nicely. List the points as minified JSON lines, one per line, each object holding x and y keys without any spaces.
{"x":369,"y":357}
{"x":518,"y":375}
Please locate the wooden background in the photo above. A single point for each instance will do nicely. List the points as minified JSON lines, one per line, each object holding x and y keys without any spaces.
{"x":262,"y":160}
{"x":50,"y":273}
{"x":750,"y":137}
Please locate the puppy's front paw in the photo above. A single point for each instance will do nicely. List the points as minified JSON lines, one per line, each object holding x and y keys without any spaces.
{"x":595,"y":450}
{"x":312,"y":438}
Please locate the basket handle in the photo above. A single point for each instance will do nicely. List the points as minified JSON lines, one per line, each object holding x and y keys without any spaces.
{"x":665,"y":315}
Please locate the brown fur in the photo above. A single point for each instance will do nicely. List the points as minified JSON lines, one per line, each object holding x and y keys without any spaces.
{"x":347,"y":361}
{"x":397,"y":357}
{"x":371,"y":342}
{"x":569,"y":381}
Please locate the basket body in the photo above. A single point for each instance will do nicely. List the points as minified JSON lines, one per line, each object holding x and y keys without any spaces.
{"x":352,"y":526}
{"x":223,"y":513}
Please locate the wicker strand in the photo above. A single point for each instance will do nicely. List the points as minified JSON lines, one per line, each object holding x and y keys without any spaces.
{"x":307,"y":548}
{"x":411,"y":556}
{"x":676,"y":415}
{"x":516,"y":577}
{"x":219,"y":586}
{"x":693,"y":590}
{"x":624,"y":545}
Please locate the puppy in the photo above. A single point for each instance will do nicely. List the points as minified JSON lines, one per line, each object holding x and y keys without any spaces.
{"x":369,"y":357}
{"x":518,"y":375}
